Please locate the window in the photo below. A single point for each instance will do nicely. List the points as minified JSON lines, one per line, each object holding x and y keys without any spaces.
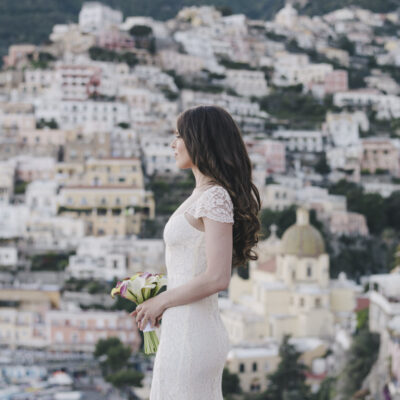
{"x":317,"y":302}
{"x":254,"y":366}
{"x":302,"y":302}
{"x":309,"y":270}
{"x":241,"y":367}
{"x":100,"y":323}
{"x":255,"y":387}
{"x":59,"y":337}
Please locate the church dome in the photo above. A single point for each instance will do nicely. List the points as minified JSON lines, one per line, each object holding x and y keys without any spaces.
{"x":302,"y":239}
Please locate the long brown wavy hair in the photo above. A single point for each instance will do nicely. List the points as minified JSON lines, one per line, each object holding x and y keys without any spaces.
{"x":215,"y":145}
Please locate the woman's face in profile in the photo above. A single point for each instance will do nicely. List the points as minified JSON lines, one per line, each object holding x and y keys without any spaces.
{"x":180,"y":152}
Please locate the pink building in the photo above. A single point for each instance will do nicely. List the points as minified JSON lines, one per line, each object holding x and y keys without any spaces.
{"x":114,"y":39}
{"x":380,"y":153}
{"x":41,"y":137}
{"x":80,"y":330}
{"x":35,"y":168}
{"x":17,"y":53}
{"x":273,"y":151}
{"x":78,"y":82}
{"x":336,"y":81}
{"x":347,"y":223}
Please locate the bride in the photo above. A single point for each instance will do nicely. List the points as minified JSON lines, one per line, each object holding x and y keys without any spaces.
{"x":213,"y":230}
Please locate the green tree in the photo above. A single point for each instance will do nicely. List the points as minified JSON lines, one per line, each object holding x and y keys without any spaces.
{"x":224,"y":10}
{"x":112,"y":354}
{"x":372,"y":205}
{"x":124,"y":378}
{"x":230,"y":383}
{"x":327,"y":389}
{"x":117,"y":357}
{"x":103,"y":345}
{"x":322,"y":166}
{"x":288,"y":382}
{"x":362,"y":355}
{"x":141,"y":30}
{"x":392,"y":210}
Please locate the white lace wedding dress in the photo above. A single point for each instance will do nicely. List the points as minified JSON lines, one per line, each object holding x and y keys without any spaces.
{"x":194,"y":342}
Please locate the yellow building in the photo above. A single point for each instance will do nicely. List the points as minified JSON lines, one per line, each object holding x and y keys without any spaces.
{"x":252,"y":365}
{"x":108,"y":194}
{"x":21,"y":315}
{"x":289,"y":291}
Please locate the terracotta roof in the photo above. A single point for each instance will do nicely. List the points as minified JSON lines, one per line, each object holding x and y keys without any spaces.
{"x":310,"y":375}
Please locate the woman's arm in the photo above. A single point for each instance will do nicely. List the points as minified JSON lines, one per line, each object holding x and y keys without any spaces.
{"x":216,"y":277}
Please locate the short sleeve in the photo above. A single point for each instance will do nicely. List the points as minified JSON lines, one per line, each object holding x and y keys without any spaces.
{"x":215,"y":203}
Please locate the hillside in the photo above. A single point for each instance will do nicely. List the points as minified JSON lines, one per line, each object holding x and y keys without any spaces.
{"x":32,"y":20}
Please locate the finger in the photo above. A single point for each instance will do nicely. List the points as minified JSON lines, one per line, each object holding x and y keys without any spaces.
{"x":140,"y":314}
{"x":143,"y":323}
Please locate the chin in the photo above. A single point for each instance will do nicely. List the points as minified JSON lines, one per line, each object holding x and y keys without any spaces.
{"x":183,"y":164}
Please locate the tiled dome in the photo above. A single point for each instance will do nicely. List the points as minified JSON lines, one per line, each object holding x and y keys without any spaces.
{"x":302,"y":239}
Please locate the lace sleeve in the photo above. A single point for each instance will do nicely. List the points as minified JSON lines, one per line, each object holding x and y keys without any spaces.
{"x":215,"y":203}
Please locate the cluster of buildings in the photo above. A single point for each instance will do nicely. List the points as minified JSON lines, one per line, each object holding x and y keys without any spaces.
{"x":87,"y":119}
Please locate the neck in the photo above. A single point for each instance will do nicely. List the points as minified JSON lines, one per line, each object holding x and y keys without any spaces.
{"x":201,"y":179}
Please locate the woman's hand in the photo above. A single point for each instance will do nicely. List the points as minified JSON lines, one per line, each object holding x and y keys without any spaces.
{"x":150,"y":310}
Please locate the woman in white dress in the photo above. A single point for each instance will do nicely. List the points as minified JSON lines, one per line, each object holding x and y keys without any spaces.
{"x":212,"y":231}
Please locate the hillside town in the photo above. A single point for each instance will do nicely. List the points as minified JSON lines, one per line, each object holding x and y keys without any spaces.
{"x":87,"y":179}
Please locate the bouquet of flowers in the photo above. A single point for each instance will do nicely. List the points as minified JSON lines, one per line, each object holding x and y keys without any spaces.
{"x":139,"y":288}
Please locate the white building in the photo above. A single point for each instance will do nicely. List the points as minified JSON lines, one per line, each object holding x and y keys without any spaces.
{"x":70,"y":114}
{"x":95,"y":17}
{"x":124,"y":143}
{"x":36,"y":80}
{"x":158,"y":155}
{"x":385,"y":189}
{"x":344,"y":128}
{"x":8,"y":256}
{"x":13,"y":220}
{"x":41,"y":197}
{"x":300,"y":140}
{"x":384,"y":300}
{"x":293,"y":69}
{"x":287,"y":16}
{"x":346,"y":159}
{"x":7,"y":170}
{"x":54,"y":232}
{"x":247,"y":82}
{"x":108,"y":257}
{"x":180,"y":63}
{"x":278,"y":197}
{"x":246,"y":113}
{"x":32,"y":168}
{"x":387,"y":106}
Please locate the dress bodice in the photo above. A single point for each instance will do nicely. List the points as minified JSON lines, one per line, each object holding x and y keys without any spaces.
{"x":185,"y":255}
